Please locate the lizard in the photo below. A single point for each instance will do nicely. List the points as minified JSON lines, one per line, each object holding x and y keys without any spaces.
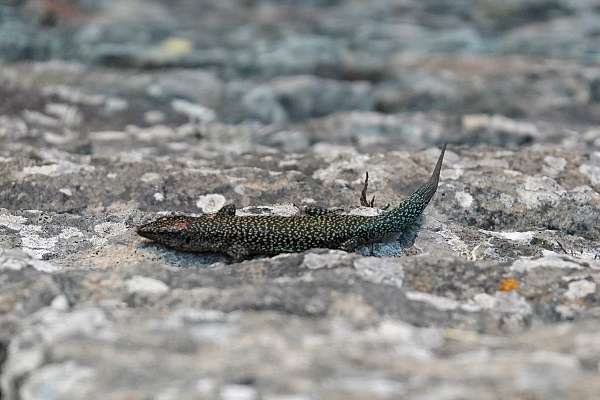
{"x":241,"y":237}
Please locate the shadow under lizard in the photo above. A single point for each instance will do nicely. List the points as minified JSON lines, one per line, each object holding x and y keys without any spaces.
{"x":242,"y":237}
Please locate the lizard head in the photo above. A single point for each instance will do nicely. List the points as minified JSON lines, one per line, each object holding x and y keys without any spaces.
{"x":169,"y":231}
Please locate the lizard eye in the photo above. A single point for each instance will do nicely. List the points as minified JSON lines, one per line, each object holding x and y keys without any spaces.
{"x":188,"y":240}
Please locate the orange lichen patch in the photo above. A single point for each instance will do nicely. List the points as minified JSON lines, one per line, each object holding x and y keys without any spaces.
{"x":508,"y":284}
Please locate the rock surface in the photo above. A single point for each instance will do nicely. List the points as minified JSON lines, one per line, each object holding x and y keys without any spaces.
{"x":114,"y":112}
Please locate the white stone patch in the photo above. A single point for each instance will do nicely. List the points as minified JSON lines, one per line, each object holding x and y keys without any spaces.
{"x":150,"y":177}
{"x":365,"y":211}
{"x":69,"y":233}
{"x":35,"y":245}
{"x":106,"y":230}
{"x":109,"y":229}
{"x":66,"y":191}
{"x":370,"y":386}
{"x":193,"y":111}
{"x":464,"y":199}
{"x":38,"y":118}
{"x":211,"y":203}
{"x":16,"y":259}
{"x":442,"y":303}
{"x":451,"y":174}
{"x":554,"y":165}
{"x":73,"y":95}
{"x":579,"y":289}
{"x":547,"y":373}
{"x":285,"y":210}
{"x":508,"y":302}
{"x":108,"y":136}
{"x":516,"y":236}
{"x":57,"y":139}
{"x":159,"y":197}
{"x":498,"y":123}
{"x":58,"y":381}
{"x":288,"y":397}
{"x":239,"y":189}
{"x":153,"y":133}
{"x":540,"y":190}
{"x":559,"y":359}
{"x":144,"y":285}
{"x":549,"y":260}
{"x":238,"y":392}
{"x":332,"y":151}
{"x":13,"y":222}
{"x":154,"y":117}
{"x":491,"y":163}
{"x":380,"y":270}
{"x":58,"y":324}
{"x":69,"y":115}
{"x":287,"y":163}
{"x":61,"y":168}
{"x":592,"y":172}
{"x":485,"y":301}
{"x":60,"y":303}
{"x":507,"y":200}
{"x":331,"y":259}
{"x":205,"y":386}
{"x":115,"y":104}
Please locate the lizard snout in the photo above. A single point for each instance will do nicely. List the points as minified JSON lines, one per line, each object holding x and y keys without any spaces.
{"x":145,"y":230}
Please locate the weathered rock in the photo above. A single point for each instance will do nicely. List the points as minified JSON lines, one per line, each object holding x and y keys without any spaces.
{"x":273,"y":106}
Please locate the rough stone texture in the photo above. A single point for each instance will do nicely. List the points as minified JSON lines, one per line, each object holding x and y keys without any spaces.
{"x":114,"y":112}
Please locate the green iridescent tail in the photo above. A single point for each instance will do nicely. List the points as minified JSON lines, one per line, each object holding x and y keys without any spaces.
{"x":403,"y":216}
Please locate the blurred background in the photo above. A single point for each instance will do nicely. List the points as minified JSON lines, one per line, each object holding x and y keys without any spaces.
{"x":297,"y":73}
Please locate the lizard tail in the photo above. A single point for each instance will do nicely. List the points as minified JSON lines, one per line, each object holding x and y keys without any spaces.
{"x":435,"y":176}
{"x":402,"y":216}
{"x":427,"y":191}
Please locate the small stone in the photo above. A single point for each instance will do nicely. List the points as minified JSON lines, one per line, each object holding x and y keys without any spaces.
{"x":238,"y":392}
{"x":150,"y":177}
{"x":154,"y":117}
{"x":442,"y":303}
{"x":331,"y":259}
{"x":211,"y":203}
{"x":464,"y":199}
{"x":143,"y":285}
{"x":592,"y":172}
{"x":115,"y":104}
{"x":193,"y":111}
{"x":66,"y":191}
{"x":579,"y":289}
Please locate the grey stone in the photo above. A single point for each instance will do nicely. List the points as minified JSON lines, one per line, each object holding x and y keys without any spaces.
{"x":274,"y":106}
